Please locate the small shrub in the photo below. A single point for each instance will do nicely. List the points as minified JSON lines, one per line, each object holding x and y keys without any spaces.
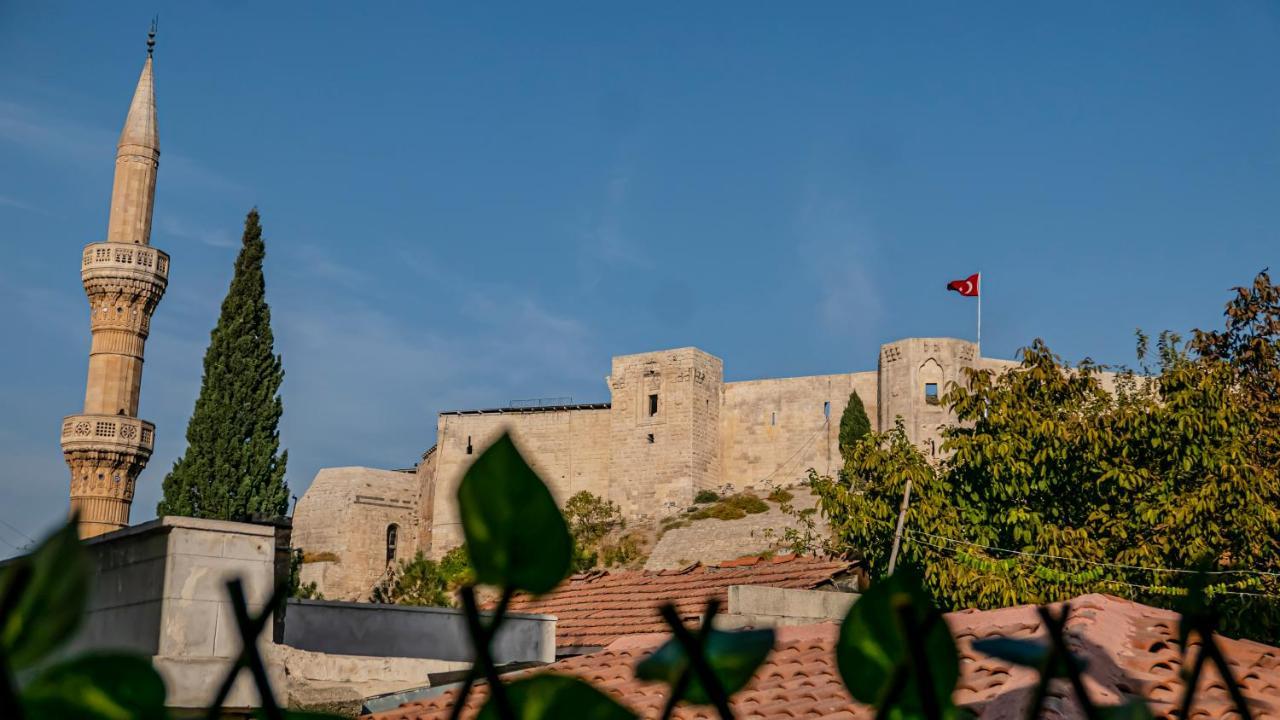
{"x":706,"y":496}
{"x":420,"y":581}
{"x":719,"y":511}
{"x":310,"y":557}
{"x":733,"y":507}
{"x":748,"y":503}
{"x":297,"y":588}
{"x":781,"y":495}
{"x":626,"y":552}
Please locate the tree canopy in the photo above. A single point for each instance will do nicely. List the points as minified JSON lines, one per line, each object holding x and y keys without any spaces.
{"x":1062,"y":480}
{"x":233,"y":467}
{"x":854,"y":424}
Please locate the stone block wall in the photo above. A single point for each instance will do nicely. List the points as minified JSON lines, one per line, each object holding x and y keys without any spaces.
{"x":773,"y":431}
{"x":347,"y":513}
{"x":663,"y":442}
{"x":568,"y":446}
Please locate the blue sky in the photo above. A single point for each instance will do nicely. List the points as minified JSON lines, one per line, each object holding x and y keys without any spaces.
{"x":469,"y":205}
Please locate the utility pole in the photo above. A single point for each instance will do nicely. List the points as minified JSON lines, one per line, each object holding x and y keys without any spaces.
{"x":897,"y":533}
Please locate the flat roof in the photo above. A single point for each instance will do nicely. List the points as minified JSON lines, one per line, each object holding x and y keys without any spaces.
{"x":530,"y":409}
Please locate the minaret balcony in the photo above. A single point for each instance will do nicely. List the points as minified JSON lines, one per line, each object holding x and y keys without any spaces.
{"x":115,"y":261}
{"x":117,"y":433}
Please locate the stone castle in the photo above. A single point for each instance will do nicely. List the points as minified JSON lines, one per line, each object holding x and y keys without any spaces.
{"x":672,"y":427}
{"x":106,"y":445}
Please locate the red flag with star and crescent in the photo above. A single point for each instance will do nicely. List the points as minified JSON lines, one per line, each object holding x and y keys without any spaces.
{"x":967,"y":287}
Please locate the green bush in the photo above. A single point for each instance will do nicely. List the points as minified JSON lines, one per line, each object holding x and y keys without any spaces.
{"x":781,"y":495}
{"x":732,"y":507}
{"x":706,"y":496}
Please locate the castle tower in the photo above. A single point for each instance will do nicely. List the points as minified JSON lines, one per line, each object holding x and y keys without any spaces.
{"x":106,"y":446}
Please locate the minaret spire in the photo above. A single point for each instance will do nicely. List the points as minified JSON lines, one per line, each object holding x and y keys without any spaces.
{"x":107,"y":445}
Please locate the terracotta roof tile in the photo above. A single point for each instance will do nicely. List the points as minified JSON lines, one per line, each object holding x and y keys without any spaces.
{"x":596,"y":608}
{"x":1130,"y":648}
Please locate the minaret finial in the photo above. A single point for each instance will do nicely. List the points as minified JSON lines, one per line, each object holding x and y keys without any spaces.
{"x":151,"y":35}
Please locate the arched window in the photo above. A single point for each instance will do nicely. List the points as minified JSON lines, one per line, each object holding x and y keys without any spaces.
{"x":931,"y":376}
{"x":392,"y":531}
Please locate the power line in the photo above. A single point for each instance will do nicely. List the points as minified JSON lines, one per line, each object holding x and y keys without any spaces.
{"x":11,"y":527}
{"x":1096,"y":563}
{"x":825,"y":425}
{"x":1151,"y":588}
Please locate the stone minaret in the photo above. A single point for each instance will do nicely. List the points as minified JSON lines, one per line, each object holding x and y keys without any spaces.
{"x":107,"y":445}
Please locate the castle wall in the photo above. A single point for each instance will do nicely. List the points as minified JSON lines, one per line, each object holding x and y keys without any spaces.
{"x":664,"y":424}
{"x":673,"y":427}
{"x":346,"y":513}
{"x":772,"y":431}
{"x":568,"y":447}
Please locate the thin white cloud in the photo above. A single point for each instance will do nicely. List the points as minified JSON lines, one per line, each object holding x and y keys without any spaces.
{"x":46,"y":132}
{"x":185,"y":229}
{"x":839,"y":247}
{"x":7,"y":201}
{"x":604,"y":244}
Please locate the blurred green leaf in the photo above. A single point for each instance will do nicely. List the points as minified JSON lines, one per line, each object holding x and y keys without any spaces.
{"x":733,"y":657}
{"x":98,"y":686}
{"x":1135,"y":709}
{"x":516,"y":536}
{"x":548,"y":696}
{"x":53,"y":603}
{"x":872,"y":646}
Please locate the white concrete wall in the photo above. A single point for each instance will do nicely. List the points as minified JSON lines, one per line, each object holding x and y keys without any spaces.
{"x":160,"y":588}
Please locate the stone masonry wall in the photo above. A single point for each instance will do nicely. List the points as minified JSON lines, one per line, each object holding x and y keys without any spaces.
{"x":347,"y":512}
{"x":569,"y":448}
{"x":663,"y":429}
{"x":773,"y":431}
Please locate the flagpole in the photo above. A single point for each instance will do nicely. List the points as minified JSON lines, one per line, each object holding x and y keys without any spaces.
{"x":980,"y":313}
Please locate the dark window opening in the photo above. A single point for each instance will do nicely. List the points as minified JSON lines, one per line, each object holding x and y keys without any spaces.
{"x":392,"y":531}
{"x":650,"y":438}
{"x":773,"y":419}
{"x":826,"y":409}
{"x":653,"y":405}
{"x":469,"y":448}
{"x":931,"y":393}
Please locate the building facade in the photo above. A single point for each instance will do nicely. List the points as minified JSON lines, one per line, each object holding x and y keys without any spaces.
{"x":672,"y":427}
{"x":107,"y":445}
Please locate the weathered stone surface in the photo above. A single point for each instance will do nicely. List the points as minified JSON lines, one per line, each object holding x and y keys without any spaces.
{"x":107,"y":446}
{"x":711,"y":541}
{"x":673,"y":427}
{"x":160,"y":589}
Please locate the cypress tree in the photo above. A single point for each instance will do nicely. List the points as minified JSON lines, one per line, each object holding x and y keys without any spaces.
{"x":233,"y":466}
{"x":854,"y":424}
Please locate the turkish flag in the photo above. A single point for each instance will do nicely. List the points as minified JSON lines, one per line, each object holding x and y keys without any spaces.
{"x":967,"y":287}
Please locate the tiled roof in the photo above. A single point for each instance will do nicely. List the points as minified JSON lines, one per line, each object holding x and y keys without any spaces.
{"x":1130,"y":648}
{"x":594,"y":609}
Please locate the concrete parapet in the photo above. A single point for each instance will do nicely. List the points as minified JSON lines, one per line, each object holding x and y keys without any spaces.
{"x":346,"y":628}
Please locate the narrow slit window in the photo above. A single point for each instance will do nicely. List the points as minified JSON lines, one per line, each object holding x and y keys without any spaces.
{"x":393,"y":531}
{"x":826,"y":409}
{"x":773,"y":418}
{"x":469,"y":448}
{"x":653,"y":405}
{"x":650,"y":438}
{"x":931,"y":393}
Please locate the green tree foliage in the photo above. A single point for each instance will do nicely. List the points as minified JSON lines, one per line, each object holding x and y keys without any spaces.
{"x":590,"y":519}
{"x":233,"y":467}
{"x":423,"y":582}
{"x":297,"y":588}
{"x":1080,"y":473}
{"x":854,"y":424}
